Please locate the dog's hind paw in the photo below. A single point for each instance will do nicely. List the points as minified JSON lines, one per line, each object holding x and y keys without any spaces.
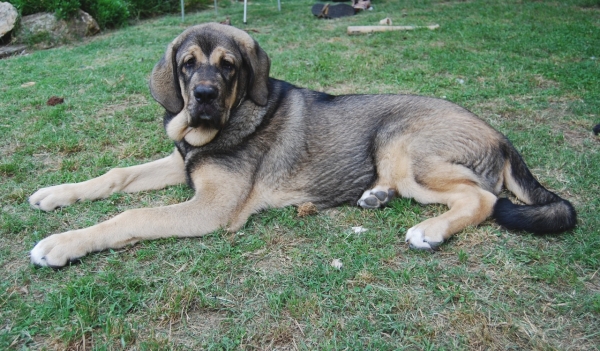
{"x":376,"y":197}
{"x":416,"y":239}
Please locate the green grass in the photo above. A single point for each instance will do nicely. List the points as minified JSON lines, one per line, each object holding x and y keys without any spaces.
{"x":528,"y":68}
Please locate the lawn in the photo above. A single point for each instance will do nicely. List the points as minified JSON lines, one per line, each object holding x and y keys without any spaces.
{"x":529,"y":68}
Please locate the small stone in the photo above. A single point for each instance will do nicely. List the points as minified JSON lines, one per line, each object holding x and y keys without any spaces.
{"x":337,"y":264}
{"x":358,"y":230}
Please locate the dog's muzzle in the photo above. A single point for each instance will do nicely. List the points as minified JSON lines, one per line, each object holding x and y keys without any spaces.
{"x":204,"y":111}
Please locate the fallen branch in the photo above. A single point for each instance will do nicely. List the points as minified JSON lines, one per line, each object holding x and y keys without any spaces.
{"x":372,"y":29}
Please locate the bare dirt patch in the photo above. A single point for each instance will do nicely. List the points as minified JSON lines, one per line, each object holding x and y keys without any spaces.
{"x":189,"y":333}
{"x":273,"y":263}
{"x":133,"y":101}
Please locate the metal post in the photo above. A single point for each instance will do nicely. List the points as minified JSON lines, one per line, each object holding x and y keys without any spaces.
{"x":245,"y":9}
{"x":216,"y":7}
{"x":182,"y":12}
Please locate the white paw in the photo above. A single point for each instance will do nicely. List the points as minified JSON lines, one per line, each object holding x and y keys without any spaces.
{"x":38,"y":255}
{"x":50,"y":198}
{"x":57,"y":250}
{"x":416,"y":239}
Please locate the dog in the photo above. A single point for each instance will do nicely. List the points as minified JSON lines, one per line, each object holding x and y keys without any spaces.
{"x":246,"y":142}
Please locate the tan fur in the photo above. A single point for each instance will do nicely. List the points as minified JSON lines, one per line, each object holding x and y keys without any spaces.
{"x":195,"y":52}
{"x":447,"y":184}
{"x":211,"y":204}
{"x":153,"y":175}
{"x":260,"y":198}
{"x":220,"y":53}
{"x":178,"y":130}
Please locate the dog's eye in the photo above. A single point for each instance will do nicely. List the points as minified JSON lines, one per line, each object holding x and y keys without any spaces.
{"x":227,"y":65}
{"x":190,"y":63}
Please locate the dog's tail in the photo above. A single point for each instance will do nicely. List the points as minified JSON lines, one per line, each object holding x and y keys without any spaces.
{"x":544,"y":212}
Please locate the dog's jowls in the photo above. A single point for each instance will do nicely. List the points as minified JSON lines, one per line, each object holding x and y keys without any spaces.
{"x":246,"y":142}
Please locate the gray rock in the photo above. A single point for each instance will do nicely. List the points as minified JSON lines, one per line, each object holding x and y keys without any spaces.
{"x":42,"y":23}
{"x":12,"y":50}
{"x":8,"y":18}
{"x":46,"y":28}
{"x":84,"y":25}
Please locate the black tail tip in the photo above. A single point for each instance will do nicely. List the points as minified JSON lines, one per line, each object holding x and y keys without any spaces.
{"x":552,"y":218}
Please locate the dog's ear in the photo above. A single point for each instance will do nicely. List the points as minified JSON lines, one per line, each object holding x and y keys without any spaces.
{"x":164,"y":81}
{"x":260,"y":64}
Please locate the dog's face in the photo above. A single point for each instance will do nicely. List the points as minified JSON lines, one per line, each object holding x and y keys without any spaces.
{"x":206,"y":72}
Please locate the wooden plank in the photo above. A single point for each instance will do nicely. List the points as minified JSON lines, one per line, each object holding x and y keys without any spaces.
{"x":373,"y":29}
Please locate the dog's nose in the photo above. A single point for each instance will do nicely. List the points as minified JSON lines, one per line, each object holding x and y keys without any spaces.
{"x":205,"y":93}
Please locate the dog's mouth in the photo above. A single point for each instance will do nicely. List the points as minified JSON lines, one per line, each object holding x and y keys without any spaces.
{"x":197,"y":126}
{"x":204,"y":116}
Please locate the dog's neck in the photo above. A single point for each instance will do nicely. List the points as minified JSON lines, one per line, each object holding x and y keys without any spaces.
{"x":245,"y":119}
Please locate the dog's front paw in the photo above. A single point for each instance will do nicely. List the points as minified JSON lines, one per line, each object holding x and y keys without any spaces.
{"x":376,"y":197}
{"x":417,"y":239}
{"x":57,"y":250}
{"x":50,"y":198}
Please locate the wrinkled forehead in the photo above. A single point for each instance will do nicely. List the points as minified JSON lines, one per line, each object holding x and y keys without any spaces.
{"x":206,"y":39}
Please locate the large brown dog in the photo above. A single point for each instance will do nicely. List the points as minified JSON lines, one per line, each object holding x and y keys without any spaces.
{"x":246,"y":142}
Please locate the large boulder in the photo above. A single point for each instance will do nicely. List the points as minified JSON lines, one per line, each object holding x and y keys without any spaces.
{"x":8,"y":18}
{"x":41,"y":25}
{"x":83,"y":25}
{"x":46,"y":29}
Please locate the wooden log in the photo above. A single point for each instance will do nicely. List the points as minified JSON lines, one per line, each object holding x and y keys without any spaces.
{"x":373,"y":29}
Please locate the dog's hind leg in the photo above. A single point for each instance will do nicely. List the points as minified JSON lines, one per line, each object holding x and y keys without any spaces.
{"x":468,"y":205}
{"x":149,"y":176}
{"x":428,"y":178}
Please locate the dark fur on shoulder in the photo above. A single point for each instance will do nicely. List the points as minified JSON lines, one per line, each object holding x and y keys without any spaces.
{"x":247,"y":142}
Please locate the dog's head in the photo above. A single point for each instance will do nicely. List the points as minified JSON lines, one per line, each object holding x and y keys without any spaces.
{"x":207,"y":71}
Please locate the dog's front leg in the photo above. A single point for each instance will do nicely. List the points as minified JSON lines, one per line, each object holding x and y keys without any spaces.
{"x":153,"y":175}
{"x":187,"y":219}
{"x":217,"y":198}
